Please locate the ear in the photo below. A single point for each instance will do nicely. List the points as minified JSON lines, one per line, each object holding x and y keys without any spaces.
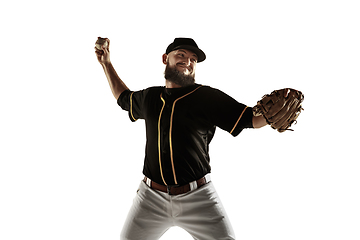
{"x":164,"y":58}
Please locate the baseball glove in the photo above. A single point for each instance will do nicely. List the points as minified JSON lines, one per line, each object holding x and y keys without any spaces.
{"x":281,"y":108}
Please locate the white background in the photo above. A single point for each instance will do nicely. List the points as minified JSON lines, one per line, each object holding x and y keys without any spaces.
{"x":71,"y":160}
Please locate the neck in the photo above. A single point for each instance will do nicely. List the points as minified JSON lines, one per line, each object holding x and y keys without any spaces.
{"x":169,"y":84}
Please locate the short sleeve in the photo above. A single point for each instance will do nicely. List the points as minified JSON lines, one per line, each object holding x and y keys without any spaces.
{"x":244,"y":121}
{"x":133,"y":102}
{"x":227,"y":113}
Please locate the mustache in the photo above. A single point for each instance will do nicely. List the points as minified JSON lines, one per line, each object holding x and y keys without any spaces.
{"x":184,"y":65}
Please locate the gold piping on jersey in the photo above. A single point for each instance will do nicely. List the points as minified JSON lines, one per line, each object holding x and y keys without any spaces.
{"x":131,"y":106}
{"x":238,"y":120}
{"x":170,"y":132}
{"x":159,"y":141}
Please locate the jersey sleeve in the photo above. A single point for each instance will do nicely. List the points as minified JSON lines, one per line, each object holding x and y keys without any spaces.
{"x":133,"y":102}
{"x":227,"y":113}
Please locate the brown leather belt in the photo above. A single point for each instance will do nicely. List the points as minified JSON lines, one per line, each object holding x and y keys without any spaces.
{"x":175,"y":190}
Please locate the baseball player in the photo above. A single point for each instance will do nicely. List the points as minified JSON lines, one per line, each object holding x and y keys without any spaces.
{"x":181,"y":118}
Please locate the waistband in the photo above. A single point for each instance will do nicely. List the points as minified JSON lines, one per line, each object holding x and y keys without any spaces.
{"x":176,"y":190}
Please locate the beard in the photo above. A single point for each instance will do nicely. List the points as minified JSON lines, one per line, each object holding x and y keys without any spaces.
{"x":175,"y":76}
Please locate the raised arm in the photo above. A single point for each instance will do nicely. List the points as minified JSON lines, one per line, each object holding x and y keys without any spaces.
{"x":116,"y":84}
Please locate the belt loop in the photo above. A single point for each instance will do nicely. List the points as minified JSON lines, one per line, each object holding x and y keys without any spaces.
{"x":148,"y":182}
{"x":193,"y":185}
{"x":168,"y":189}
{"x":207,"y":178}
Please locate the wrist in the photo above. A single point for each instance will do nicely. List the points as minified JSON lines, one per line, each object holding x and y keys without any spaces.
{"x":106,"y":64}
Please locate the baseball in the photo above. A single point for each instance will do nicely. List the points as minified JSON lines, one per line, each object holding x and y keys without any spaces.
{"x":101,"y":42}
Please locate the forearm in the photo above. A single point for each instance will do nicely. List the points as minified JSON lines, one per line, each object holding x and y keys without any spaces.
{"x":116,"y":84}
{"x":259,"y":121}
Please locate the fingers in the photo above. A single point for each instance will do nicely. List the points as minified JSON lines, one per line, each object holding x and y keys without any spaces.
{"x":103,"y":56}
{"x":98,"y":52}
{"x":105,"y":49}
{"x":102,"y":50}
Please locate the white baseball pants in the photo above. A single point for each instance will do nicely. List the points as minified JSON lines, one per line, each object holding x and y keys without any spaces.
{"x":199,"y":212}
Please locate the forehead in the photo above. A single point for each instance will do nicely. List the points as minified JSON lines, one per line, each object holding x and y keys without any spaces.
{"x":188,"y":52}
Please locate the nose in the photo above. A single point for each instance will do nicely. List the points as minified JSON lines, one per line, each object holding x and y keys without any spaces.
{"x":187,"y":61}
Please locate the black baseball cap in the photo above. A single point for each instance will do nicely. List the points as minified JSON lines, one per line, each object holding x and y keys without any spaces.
{"x":186,"y":43}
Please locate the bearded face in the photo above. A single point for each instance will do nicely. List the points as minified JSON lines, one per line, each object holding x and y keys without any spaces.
{"x":180,"y":67}
{"x":182,"y":78}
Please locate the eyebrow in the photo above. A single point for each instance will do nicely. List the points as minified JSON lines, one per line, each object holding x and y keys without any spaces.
{"x":186,"y":52}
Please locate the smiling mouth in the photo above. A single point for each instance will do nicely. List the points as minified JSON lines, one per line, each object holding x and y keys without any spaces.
{"x":185,"y":67}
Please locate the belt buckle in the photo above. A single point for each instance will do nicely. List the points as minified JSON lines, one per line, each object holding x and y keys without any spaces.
{"x":168,"y":187}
